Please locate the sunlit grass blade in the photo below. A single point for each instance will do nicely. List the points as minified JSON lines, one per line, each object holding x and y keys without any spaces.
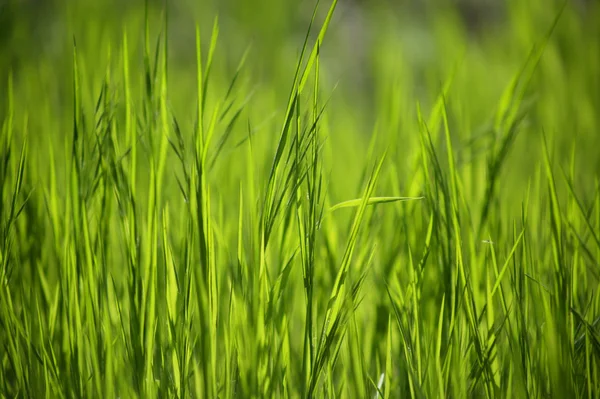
{"x":371,"y":201}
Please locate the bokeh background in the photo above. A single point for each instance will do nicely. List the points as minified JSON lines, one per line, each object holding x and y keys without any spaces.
{"x":379,"y":54}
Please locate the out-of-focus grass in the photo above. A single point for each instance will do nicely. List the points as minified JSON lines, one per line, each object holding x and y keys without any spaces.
{"x":368,"y":201}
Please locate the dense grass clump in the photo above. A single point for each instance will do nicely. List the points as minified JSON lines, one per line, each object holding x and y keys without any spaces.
{"x":370,"y":201}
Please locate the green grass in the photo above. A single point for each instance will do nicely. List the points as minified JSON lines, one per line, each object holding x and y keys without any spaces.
{"x":211,"y":202}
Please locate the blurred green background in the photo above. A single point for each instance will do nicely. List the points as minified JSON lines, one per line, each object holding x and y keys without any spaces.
{"x":379,"y":54}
